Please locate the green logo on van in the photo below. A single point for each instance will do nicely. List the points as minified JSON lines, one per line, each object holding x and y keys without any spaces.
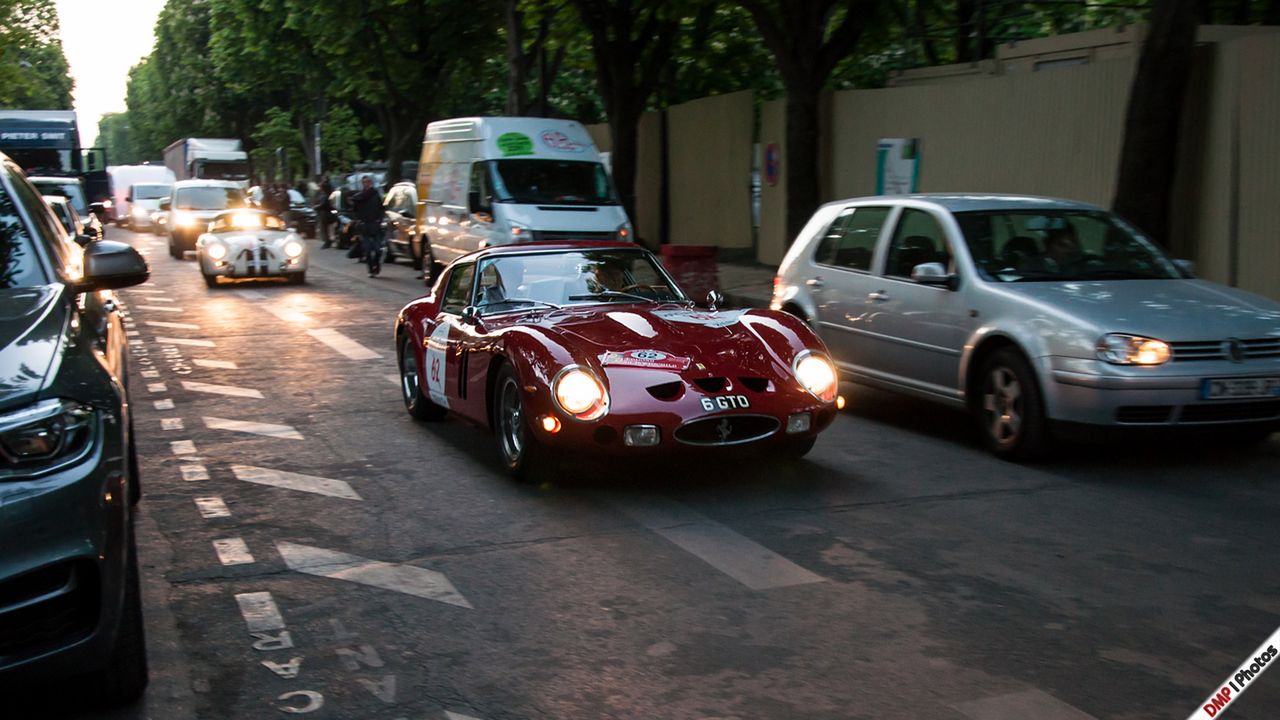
{"x":514,"y":143}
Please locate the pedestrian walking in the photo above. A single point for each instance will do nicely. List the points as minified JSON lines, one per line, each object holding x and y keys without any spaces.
{"x":367,"y":205}
{"x":324,"y":214}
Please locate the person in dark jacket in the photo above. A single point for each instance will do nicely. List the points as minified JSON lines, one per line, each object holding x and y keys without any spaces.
{"x":324,"y":214}
{"x":367,"y":205}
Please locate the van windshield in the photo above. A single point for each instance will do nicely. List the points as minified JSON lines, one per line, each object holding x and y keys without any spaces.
{"x":151,"y":192}
{"x":551,"y":181}
{"x":208,"y":198}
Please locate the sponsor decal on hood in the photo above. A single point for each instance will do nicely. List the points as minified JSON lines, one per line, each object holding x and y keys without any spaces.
{"x":648,"y":359}
{"x":706,"y":318}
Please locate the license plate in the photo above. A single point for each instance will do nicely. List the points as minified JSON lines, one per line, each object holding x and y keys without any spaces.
{"x":725,"y":402}
{"x":1238,"y":388}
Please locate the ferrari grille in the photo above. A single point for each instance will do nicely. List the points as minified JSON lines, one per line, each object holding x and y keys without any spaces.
{"x":727,"y":430}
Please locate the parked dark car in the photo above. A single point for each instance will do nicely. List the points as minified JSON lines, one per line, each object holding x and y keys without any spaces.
{"x":69,"y":598}
{"x":403,"y":238}
{"x":73,"y":190}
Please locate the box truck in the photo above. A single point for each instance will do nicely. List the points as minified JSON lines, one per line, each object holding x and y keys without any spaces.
{"x":211,"y":158}
{"x":501,"y":180}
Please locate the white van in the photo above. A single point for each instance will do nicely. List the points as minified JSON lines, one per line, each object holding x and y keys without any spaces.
{"x":503,"y":180}
{"x":123,"y":177}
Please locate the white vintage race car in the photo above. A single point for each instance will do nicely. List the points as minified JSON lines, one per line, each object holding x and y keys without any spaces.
{"x":251,"y":243}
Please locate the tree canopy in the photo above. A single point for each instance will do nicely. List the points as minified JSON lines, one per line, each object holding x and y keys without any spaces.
{"x":33,"y":70}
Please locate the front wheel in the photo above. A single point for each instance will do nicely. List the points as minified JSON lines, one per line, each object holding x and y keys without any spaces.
{"x":520,"y":451}
{"x":415,"y":401}
{"x":1010,"y":409}
{"x":125,"y":676}
{"x":796,"y":448}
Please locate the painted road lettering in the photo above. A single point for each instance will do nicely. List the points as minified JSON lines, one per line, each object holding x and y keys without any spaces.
{"x":312,"y":701}
{"x":288,"y":670}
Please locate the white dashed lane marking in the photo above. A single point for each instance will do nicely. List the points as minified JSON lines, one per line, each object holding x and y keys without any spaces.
{"x":173,"y":325}
{"x":150,"y":374}
{"x":161,"y":308}
{"x":408,"y":579}
{"x":184,"y":341}
{"x":212,"y":507}
{"x":232,"y":551}
{"x":253,"y":428}
{"x":229,"y":390}
{"x":393,"y":379}
{"x":1023,"y":704}
{"x":295,"y":481}
{"x":192,"y":472}
{"x":746,"y":561}
{"x":165,"y":404}
{"x":159,"y":300}
{"x":144,"y":291}
{"x":458,"y":716}
{"x":183,"y":447}
{"x":215,"y":364}
{"x":260,"y":612}
{"x":155,"y":387}
{"x":293,"y":317}
{"x":170,"y":423}
{"x":251,"y":294}
{"x":343,"y":344}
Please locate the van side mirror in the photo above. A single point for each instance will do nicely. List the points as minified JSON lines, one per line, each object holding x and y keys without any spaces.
{"x":109,"y":265}
{"x":474,"y":204}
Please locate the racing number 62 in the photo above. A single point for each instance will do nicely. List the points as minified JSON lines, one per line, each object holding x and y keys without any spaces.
{"x":725,"y":402}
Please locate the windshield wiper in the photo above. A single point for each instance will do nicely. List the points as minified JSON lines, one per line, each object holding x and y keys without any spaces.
{"x":613,"y":294}
{"x":504,"y":301}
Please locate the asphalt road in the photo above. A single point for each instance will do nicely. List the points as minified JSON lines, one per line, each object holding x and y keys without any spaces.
{"x":310,"y":550}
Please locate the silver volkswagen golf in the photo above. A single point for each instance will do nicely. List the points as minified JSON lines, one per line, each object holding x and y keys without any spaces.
{"x":1037,"y":315}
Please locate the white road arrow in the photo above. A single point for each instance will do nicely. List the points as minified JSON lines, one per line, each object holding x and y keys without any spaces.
{"x":408,"y":579}
{"x":295,"y":481}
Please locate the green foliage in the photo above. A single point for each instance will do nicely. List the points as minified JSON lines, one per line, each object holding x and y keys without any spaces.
{"x":115,"y":136}
{"x":33,"y":70}
{"x":341,"y":133}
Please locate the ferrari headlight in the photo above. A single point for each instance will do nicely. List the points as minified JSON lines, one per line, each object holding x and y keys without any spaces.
{"x":1121,"y":349}
{"x":216,"y":250}
{"x":182,"y":219}
{"x":44,"y":433}
{"x":816,"y":374}
{"x":293,"y":248}
{"x":580,"y":394}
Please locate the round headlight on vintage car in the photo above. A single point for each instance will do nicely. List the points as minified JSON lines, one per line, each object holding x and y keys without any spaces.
{"x":816,"y":374}
{"x":1122,"y":349}
{"x":216,"y":250}
{"x":579,"y":393}
{"x":293,"y":248}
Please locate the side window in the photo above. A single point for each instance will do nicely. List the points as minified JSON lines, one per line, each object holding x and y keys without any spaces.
{"x":457,"y":294}
{"x":480,"y":181}
{"x":19,"y":265}
{"x":850,"y":242}
{"x":47,"y":230}
{"x":917,"y":239}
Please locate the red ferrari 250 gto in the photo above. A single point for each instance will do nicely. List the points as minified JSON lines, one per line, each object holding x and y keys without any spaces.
{"x":593,"y":347}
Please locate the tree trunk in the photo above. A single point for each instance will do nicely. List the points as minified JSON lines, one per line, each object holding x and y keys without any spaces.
{"x":624,"y":128}
{"x":517,"y":64}
{"x":1148,"y":158}
{"x":803,"y":192}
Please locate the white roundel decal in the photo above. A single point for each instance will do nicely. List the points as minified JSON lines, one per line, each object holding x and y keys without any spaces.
{"x":648,"y":355}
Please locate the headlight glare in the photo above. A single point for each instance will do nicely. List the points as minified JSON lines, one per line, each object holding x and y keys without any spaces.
{"x":1122,"y":349}
{"x":184,"y":219}
{"x":580,"y":394}
{"x":816,"y":374}
{"x":216,"y":250}
{"x":293,"y":248}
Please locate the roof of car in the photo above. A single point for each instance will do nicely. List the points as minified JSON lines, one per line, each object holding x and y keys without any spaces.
{"x":206,"y":182}
{"x":963,"y":202}
{"x":555,"y":246}
{"x":54,"y":178}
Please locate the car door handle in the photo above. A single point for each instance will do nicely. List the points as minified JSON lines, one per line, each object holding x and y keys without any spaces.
{"x":816,"y":283}
{"x":878,"y":296}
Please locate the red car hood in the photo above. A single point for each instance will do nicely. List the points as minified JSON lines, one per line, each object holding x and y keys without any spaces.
{"x":665,"y":338}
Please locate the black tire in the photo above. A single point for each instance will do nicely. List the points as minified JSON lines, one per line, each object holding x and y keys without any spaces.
{"x":124,"y":678}
{"x":298,"y":278}
{"x":135,"y":475}
{"x":210,"y":280}
{"x":390,"y":256}
{"x":519,"y":450}
{"x":1009,"y":407}
{"x":415,"y":401}
{"x":173,"y":250}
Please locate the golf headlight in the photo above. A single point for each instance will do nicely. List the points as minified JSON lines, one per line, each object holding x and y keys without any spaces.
{"x":579,"y":393}
{"x":44,"y":433}
{"x":293,"y":248}
{"x":816,"y":374}
{"x":216,"y":250}
{"x":1121,"y":349}
{"x":182,"y":219}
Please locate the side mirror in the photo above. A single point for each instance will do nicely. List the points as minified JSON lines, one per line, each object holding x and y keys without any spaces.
{"x":715,"y":299}
{"x":474,"y":204}
{"x":469,"y":315}
{"x":109,"y":265}
{"x":407,"y":214}
{"x":932,"y":273}
{"x":83,"y":240}
{"x":1186,"y":267}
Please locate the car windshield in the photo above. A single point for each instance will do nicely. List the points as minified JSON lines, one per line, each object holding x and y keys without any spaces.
{"x":151,"y":192}
{"x":19,"y":266}
{"x":579,"y":277}
{"x":1060,"y":246}
{"x":247,"y":220}
{"x":208,"y":198}
{"x":551,"y":181}
{"x":69,"y":189}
